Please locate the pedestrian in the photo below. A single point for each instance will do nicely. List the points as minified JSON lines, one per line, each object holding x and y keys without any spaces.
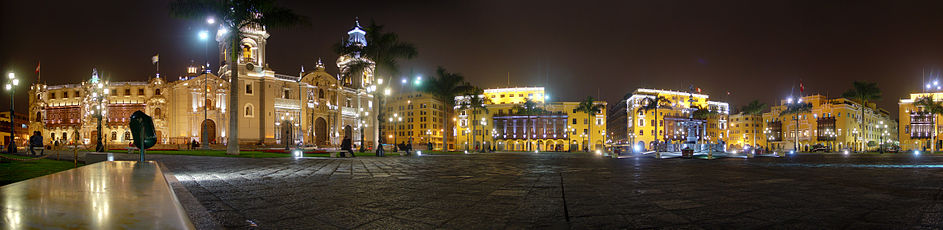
{"x":409,"y":146}
{"x":346,"y":147}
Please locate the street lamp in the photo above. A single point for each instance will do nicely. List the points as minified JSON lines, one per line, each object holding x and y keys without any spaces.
{"x":11,"y":83}
{"x":99,"y":94}
{"x":204,"y":140}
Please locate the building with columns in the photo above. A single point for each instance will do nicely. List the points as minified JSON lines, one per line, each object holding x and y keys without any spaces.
{"x":312,"y":108}
{"x":503,"y":127}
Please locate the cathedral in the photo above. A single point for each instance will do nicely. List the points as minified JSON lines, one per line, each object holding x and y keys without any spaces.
{"x":313,"y":108}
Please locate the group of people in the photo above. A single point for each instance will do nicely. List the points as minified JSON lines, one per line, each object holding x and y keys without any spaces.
{"x":347,"y":147}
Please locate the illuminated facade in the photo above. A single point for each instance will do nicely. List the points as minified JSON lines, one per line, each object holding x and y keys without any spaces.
{"x":641,"y":123}
{"x":743,"y":129}
{"x":832,"y":123}
{"x":917,"y":125}
{"x":416,"y":116}
{"x":502,"y":127}
{"x":313,"y":108}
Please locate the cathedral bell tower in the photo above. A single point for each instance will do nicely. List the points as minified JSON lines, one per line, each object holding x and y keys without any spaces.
{"x":356,"y":70}
{"x":251,"y":49}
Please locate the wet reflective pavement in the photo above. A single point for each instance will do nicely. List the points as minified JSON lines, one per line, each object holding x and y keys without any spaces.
{"x":560,"y":190}
{"x":107,"y":195}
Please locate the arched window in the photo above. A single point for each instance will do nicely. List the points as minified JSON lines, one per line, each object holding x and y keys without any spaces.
{"x":65,"y":135}
{"x":248,"y":111}
{"x":114,"y":135}
{"x":127,"y":136}
{"x":157,"y":113}
{"x":320,"y":93}
{"x":38,"y":117}
{"x":156,"y":91}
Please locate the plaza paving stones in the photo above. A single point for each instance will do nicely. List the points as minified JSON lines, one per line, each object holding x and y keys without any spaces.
{"x":525,"y":190}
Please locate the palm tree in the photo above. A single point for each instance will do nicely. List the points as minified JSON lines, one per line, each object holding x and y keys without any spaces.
{"x":234,"y":16}
{"x":476,"y":103}
{"x":528,"y":108}
{"x":755,"y":108}
{"x":797,"y":109}
{"x":590,"y":107}
{"x":654,"y":103}
{"x":444,"y":87}
{"x":864,"y":93}
{"x":933,"y":108}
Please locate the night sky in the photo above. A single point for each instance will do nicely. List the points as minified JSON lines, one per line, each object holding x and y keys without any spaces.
{"x":755,"y":49}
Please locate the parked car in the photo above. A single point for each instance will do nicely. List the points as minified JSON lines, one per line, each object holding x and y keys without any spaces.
{"x":819,"y":148}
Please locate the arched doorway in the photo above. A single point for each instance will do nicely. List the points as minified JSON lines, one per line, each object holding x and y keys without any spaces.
{"x":286,"y":133}
{"x":94,"y":137}
{"x":208,"y":128}
{"x":320,"y":131}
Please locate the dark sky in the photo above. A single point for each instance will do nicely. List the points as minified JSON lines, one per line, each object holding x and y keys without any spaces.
{"x":755,"y":49}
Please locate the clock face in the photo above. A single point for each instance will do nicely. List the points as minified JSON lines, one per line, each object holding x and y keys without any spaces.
{"x":250,"y":66}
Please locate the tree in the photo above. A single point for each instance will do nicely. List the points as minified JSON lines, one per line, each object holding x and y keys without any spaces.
{"x":444,"y":87}
{"x":755,"y":109}
{"x":864,"y":93}
{"x":795,"y":110}
{"x":590,"y":107}
{"x":528,"y":108}
{"x":654,"y":103}
{"x":475,"y":101}
{"x":234,"y":16}
{"x":933,"y":108}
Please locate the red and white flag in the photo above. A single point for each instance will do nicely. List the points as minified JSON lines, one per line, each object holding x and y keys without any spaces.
{"x":801,"y":87}
{"x":37,"y":66}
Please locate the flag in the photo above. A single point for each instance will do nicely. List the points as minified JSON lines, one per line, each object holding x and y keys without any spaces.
{"x":801,"y":87}
{"x":154,"y":59}
{"x":37,"y":66}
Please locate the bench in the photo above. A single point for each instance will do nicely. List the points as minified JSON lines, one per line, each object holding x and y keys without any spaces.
{"x":105,"y":195}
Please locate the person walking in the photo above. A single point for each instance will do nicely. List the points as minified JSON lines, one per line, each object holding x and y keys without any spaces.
{"x":409,"y":146}
{"x":346,"y":146}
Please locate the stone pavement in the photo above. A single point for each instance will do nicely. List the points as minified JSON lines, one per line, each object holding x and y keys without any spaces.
{"x":560,"y":190}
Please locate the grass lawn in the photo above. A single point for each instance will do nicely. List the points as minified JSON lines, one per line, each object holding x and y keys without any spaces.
{"x":13,"y":171}
{"x":212,"y":153}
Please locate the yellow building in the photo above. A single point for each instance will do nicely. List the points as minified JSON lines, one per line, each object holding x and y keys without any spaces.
{"x":916,"y":125}
{"x":414,"y":116}
{"x":642,"y":123}
{"x":742,"y":130}
{"x":832,"y":123}
{"x":504,"y":128}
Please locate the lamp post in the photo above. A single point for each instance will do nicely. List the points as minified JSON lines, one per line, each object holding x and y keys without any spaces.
{"x":883,"y":128}
{"x":204,"y":140}
{"x":11,"y":83}
{"x":99,"y":93}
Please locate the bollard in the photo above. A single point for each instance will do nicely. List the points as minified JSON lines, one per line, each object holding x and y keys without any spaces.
{"x":710,"y":155}
{"x":657,"y":154}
